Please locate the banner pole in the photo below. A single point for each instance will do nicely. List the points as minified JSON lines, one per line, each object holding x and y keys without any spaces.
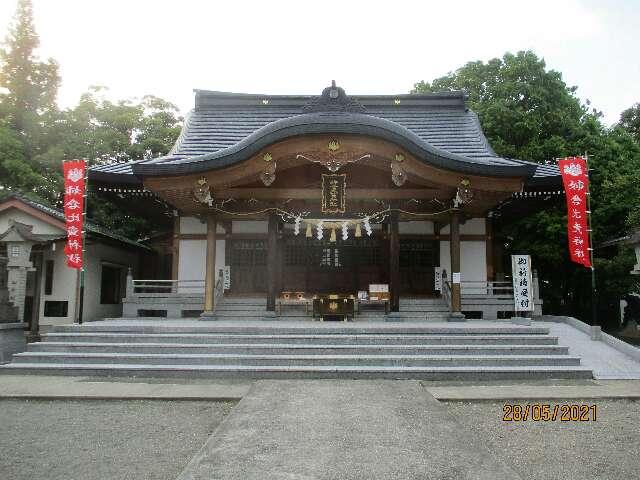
{"x":84,"y":240}
{"x":594,"y":313}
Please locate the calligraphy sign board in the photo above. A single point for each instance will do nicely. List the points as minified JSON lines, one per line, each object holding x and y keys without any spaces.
{"x":74,"y":187}
{"x":334,"y":193}
{"x":576,"y":186}
{"x":227,"y":277}
{"x":522,"y":283}
{"x":437,"y":279}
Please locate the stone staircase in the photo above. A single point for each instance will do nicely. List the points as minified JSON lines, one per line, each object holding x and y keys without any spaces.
{"x":300,"y":349}
{"x":411,"y":310}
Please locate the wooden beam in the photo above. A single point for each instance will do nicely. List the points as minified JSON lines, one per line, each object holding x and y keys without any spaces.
{"x":352,"y":193}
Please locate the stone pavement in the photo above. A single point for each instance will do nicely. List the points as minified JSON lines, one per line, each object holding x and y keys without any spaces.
{"x":337,"y":429}
{"x":605,"y":361}
{"x":101,"y":388}
{"x":598,"y":389}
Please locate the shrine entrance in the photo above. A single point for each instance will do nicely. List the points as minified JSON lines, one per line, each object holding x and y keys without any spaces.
{"x":248,"y":261}
{"x":322,"y":266}
{"x":418,"y":259}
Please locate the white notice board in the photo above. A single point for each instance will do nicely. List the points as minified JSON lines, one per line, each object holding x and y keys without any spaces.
{"x":522,"y":283}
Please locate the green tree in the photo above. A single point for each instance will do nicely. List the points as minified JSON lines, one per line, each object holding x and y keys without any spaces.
{"x":528,"y":112}
{"x":630,"y":121}
{"x":31,"y":85}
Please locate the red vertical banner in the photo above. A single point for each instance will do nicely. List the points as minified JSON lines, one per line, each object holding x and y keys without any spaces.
{"x":74,"y":187}
{"x":576,"y":186}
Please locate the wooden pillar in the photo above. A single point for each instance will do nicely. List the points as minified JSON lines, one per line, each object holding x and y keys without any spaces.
{"x":272,"y":259}
{"x":280,"y":243}
{"x":454,"y":244}
{"x":34,"y":325}
{"x":210,"y":267}
{"x":394,"y":263}
{"x":175,"y":248}
{"x":489,"y":248}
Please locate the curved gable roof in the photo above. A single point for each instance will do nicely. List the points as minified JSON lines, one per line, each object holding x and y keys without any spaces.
{"x":226,"y":128}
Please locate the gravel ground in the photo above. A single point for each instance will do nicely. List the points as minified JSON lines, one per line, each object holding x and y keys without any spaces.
{"x":604,"y":449}
{"x":102,"y":440}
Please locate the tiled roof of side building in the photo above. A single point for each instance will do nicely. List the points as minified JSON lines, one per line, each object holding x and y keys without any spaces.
{"x":214,"y":131}
{"x":90,"y":227}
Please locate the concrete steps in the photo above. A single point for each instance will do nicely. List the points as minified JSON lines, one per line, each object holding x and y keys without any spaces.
{"x":296,"y":360}
{"x":301,"y":349}
{"x":288,"y":372}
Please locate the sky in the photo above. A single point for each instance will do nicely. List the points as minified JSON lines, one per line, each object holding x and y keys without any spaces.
{"x":168,"y":48}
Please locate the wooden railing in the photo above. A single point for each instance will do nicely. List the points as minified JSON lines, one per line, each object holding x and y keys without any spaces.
{"x":487,"y":289}
{"x":163,"y":288}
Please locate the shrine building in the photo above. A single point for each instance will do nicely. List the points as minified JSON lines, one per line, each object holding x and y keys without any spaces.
{"x":295,"y":196}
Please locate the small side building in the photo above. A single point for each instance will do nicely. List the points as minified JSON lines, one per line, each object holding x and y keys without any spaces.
{"x":34,"y":273}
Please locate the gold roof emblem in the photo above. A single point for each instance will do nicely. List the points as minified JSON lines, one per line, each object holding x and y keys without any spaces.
{"x":333,"y":146}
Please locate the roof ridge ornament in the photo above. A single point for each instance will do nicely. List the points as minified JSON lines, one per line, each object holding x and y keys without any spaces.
{"x":333,"y":99}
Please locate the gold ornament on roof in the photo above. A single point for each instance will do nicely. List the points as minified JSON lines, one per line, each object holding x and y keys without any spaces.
{"x":397,"y":172}
{"x":333,"y":146}
{"x":202,"y":191}
{"x":268,"y":175}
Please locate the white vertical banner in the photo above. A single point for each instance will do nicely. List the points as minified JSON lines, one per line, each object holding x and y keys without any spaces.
{"x":227,"y":277}
{"x":437,"y":279}
{"x":522,"y":283}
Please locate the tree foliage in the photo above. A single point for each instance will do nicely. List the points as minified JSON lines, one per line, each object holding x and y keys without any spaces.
{"x":630,"y":121}
{"x":528,"y":112}
{"x":36,"y":136}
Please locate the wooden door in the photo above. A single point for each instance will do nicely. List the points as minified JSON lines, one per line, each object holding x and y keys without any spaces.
{"x":417,"y":262}
{"x":248,"y":261}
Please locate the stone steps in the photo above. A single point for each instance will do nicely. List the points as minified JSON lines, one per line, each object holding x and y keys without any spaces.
{"x":284,"y":349}
{"x":294,"y":360}
{"x":300,"y":349}
{"x":277,"y":327}
{"x":288,"y":372}
{"x":298,"y":339}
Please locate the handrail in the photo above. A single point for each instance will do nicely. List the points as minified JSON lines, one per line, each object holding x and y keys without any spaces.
{"x":164,"y":286}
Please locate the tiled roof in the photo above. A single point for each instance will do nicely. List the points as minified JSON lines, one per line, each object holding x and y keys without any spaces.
{"x":224,"y":127}
{"x":90,"y":227}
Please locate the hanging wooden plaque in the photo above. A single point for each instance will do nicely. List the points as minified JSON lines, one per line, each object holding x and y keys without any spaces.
{"x":334,"y":193}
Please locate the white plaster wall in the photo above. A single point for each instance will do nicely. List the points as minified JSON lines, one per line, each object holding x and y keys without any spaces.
{"x":473,"y":226}
{"x":249,"y":226}
{"x":420,"y":227}
{"x":65,"y":281}
{"x":192,"y":261}
{"x":64,"y":286}
{"x":39,"y":226}
{"x":220,"y":256}
{"x":473,"y":260}
{"x":473,"y":263}
{"x":192,"y":225}
{"x":98,"y":254}
{"x":445,"y":257}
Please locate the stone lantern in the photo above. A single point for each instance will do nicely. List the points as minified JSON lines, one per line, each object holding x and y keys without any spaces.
{"x":18,"y":240}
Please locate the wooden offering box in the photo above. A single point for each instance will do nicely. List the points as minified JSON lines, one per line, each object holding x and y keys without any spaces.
{"x":334,"y":306}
